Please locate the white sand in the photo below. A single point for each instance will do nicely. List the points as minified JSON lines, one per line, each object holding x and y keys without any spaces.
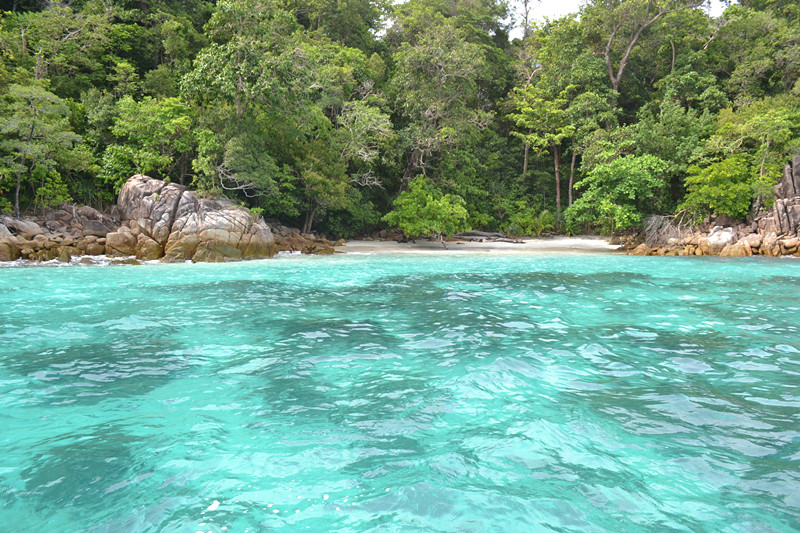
{"x":585,"y":244}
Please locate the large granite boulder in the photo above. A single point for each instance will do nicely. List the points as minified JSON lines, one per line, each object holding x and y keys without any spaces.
{"x":22,"y":228}
{"x":717,"y":240}
{"x":121,"y":242}
{"x":9,"y":249}
{"x":739,"y":249}
{"x":164,"y":220}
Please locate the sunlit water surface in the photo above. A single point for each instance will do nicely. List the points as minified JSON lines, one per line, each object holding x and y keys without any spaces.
{"x":378,"y":393}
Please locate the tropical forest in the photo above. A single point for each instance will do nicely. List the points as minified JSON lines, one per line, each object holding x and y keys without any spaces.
{"x":350,"y":116}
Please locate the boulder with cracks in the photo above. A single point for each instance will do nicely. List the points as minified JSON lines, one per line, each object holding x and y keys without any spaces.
{"x":166,"y":221}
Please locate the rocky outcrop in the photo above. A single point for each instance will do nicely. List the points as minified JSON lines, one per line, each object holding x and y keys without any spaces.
{"x":771,"y":232}
{"x":166,"y":221}
{"x":153,"y":219}
{"x":26,"y":229}
{"x":292,"y":240}
{"x":784,"y":217}
{"x":58,"y":233}
{"x":83,"y":221}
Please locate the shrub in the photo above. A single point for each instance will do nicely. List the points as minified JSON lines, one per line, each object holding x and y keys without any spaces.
{"x":618,"y":193}
{"x":727,"y":187}
{"x":424,"y":211}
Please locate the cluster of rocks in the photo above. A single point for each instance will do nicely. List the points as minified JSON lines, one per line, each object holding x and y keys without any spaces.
{"x":771,"y":232}
{"x":292,"y":240}
{"x":724,"y":242}
{"x":153,"y":219}
{"x":58,"y":234}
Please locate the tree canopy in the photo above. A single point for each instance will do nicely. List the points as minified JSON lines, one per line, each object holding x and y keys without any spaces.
{"x":429,"y":115}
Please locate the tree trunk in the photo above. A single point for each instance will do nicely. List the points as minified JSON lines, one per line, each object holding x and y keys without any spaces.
{"x":183,"y":169}
{"x":412,"y":165}
{"x":672,"y":64}
{"x":526,"y":12}
{"x":764,"y":159}
{"x":572,"y":174}
{"x":310,"y":212}
{"x":525,"y":159}
{"x":556,"y":160}
{"x":19,"y":184}
{"x":616,"y":77}
{"x":16,"y":193}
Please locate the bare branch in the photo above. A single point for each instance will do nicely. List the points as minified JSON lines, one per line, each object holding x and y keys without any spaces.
{"x":367,"y":179}
{"x":247,"y":188}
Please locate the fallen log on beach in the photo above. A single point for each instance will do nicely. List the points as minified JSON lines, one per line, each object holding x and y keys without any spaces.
{"x":482,"y":236}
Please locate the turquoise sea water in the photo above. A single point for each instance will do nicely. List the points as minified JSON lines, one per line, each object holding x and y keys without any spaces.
{"x":416,"y":393}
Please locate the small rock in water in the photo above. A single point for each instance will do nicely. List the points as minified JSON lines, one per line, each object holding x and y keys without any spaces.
{"x":129,"y":261}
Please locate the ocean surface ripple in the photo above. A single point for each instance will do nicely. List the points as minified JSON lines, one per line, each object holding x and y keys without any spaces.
{"x":384,"y":393}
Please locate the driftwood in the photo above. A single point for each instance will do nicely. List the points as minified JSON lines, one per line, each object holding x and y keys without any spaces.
{"x":481,"y":236}
{"x":659,"y":229}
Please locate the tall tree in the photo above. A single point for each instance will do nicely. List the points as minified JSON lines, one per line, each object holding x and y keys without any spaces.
{"x":153,"y":136}
{"x":755,"y":54}
{"x":545,"y":124}
{"x":35,"y":134}
{"x":435,"y":86}
{"x":616,"y":27}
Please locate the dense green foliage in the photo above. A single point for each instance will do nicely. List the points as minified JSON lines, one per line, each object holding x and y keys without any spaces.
{"x":619,"y":192}
{"x":343,"y":117}
{"x":724,"y":188}
{"x":425,"y":211}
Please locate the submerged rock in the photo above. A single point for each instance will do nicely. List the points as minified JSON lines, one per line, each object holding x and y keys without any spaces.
{"x":128,"y":261}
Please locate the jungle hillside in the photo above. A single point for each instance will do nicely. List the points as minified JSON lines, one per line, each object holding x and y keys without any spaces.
{"x":344,"y":117}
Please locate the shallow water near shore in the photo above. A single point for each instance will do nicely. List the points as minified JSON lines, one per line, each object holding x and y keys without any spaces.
{"x":584,"y":393}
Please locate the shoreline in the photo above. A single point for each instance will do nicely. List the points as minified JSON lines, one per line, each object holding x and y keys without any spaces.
{"x":542,"y":245}
{"x":550,"y":245}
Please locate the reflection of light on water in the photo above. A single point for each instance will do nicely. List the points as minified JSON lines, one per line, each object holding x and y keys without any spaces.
{"x":224,"y":512}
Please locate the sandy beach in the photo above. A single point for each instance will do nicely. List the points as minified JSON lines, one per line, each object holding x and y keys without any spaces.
{"x":584,"y":244}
